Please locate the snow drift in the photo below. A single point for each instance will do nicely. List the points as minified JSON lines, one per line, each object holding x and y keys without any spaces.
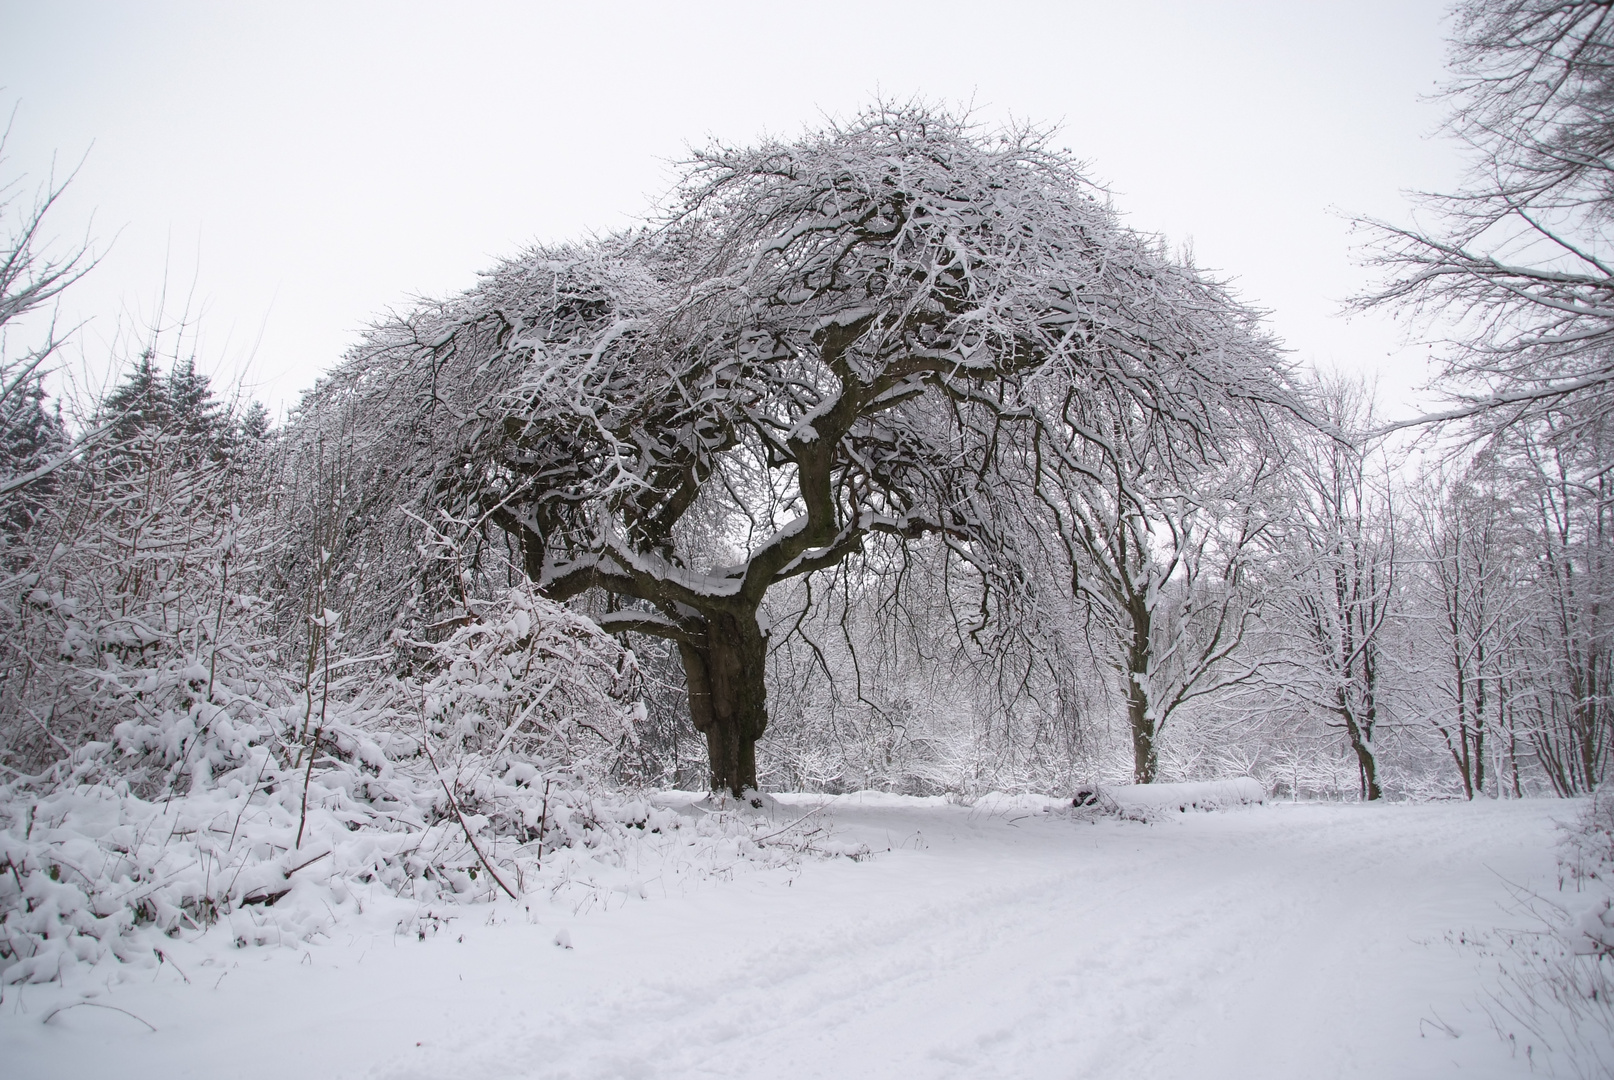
{"x":1149,"y":799}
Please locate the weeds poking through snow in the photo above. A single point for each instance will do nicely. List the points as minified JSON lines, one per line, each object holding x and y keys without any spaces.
{"x":1555,"y":995}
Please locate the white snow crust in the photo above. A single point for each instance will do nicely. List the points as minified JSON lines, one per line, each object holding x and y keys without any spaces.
{"x":1180,"y":798}
{"x":1012,"y":938}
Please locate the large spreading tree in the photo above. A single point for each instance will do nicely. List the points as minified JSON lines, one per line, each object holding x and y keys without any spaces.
{"x":824,"y":339}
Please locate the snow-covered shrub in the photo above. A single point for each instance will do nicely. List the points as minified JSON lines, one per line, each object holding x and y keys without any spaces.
{"x":179,"y":751}
{"x":134,"y":667}
{"x":1586,"y":864}
{"x":442,"y":785}
{"x":528,"y":677}
{"x":525,"y":695}
{"x":130,"y":613}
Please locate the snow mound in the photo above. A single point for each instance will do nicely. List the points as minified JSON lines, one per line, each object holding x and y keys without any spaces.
{"x":751,"y":803}
{"x":1000,"y":802}
{"x":1145,"y":801}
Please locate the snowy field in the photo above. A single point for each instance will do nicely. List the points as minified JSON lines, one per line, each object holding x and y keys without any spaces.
{"x":1000,"y":940}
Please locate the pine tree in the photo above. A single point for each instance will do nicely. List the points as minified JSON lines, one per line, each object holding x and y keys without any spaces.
{"x":193,"y":412}
{"x":30,"y":436}
{"x":178,"y":407}
{"x":254,"y":423}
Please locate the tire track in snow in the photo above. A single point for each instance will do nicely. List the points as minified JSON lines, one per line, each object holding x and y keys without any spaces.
{"x":1063,"y":950}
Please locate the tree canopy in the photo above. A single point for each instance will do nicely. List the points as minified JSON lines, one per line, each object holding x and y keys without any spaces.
{"x":824,"y":340}
{"x":1520,"y":258}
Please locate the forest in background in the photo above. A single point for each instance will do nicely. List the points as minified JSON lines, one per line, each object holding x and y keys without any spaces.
{"x":889,"y":457}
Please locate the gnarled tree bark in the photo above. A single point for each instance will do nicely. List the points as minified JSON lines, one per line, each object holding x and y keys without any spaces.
{"x":728,"y":696}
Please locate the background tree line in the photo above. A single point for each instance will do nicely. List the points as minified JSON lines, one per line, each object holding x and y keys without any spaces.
{"x":888,"y":456}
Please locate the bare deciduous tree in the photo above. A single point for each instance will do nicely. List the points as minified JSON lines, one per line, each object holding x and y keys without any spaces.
{"x":1472,"y":565}
{"x":1338,"y":549}
{"x":1520,"y":260}
{"x":1157,"y":539}
{"x":1564,"y":487}
{"x":32,"y":275}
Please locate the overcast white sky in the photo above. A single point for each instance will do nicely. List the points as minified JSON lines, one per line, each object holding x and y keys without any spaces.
{"x":305,"y":166}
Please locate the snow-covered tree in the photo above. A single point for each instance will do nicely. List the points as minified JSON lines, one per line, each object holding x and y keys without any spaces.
{"x":818,"y":344}
{"x":178,"y":405}
{"x":1519,"y":263}
{"x":33,"y":273}
{"x":1337,"y":549}
{"x":1473,"y":592}
{"x":1155,"y":527}
{"x":32,"y":438}
{"x":1558,"y":477}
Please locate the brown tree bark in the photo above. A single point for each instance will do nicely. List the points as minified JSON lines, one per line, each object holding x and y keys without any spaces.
{"x":728,"y":696}
{"x":1145,"y":758}
{"x":1366,"y":763}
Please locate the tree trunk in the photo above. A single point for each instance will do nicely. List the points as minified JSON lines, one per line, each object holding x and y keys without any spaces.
{"x":1145,"y":760}
{"x":1366,"y":764}
{"x":728,"y":696}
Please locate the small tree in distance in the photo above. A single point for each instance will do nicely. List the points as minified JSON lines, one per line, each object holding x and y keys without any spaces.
{"x":179,"y":405}
{"x":1153,"y":523}
{"x":1337,"y":547}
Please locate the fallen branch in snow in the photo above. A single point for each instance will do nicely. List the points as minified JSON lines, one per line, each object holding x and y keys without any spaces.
{"x":454,"y":805}
{"x":309,"y":863}
{"x":96,"y":1005}
{"x":792,"y":825}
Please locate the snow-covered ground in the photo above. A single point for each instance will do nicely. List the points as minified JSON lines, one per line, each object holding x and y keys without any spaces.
{"x":988,"y":941}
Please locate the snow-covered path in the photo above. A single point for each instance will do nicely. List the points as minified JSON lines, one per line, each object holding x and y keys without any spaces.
{"x":1278,"y":941}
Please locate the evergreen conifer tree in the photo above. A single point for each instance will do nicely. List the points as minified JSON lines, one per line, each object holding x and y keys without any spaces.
{"x":178,"y":406}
